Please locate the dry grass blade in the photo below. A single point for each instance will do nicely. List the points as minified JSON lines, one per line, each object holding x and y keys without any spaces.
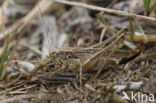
{"x":146,"y":40}
{"x":37,"y":10}
{"x":39,"y":66}
{"x":106,"y":10}
{"x":22,"y":23}
{"x":15,"y":98}
{"x":95,"y":57}
{"x":138,"y":38}
{"x":31,"y":48}
{"x":103,"y":33}
{"x":102,"y":44}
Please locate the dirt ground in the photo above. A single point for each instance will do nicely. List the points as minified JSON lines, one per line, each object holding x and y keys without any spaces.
{"x":77,"y":51}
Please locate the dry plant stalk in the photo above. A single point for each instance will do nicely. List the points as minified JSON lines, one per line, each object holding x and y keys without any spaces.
{"x":138,"y":38}
{"x":25,"y":20}
{"x":106,"y":10}
{"x":22,"y":23}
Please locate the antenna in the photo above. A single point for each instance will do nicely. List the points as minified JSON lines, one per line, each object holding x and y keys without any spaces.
{"x":45,"y":31}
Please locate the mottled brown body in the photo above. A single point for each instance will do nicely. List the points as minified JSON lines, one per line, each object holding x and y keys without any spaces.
{"x":80,"y":59}
{"x":63,"y":60}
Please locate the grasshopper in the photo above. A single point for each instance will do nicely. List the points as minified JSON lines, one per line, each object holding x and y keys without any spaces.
{"x":73,"y":59}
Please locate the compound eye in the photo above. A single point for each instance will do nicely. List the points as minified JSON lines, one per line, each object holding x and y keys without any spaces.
{"x":71,"y":56}
{"x":59,"y":64}
{"x":51,"y":65}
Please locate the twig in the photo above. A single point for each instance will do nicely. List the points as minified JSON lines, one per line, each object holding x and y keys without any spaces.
{"x":34,"y":12}
{"x":35,"y":50}
{"x":15,"y":81}
{"x":95,"y":57}
{"x":141,"y":30}
{"x":102,"y":44}
{"x":106,"y":10}
{"x":112,"y":3}
{"x":103,"y":33}
{"x":104,"y":64}
{"x":137,"y":38}
{"x":16,"y":98}
{"x":66,"y":14}
{"x":17,"y":27}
